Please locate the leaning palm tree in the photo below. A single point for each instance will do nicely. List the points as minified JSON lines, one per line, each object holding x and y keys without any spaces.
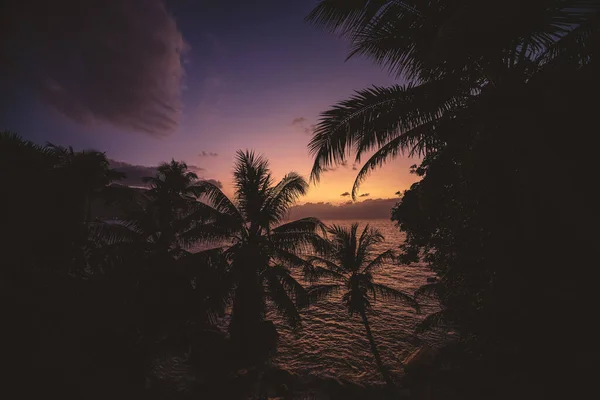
{"x":350,"y":261}
{"x":259,"y":246}
{"x":459,"y":59}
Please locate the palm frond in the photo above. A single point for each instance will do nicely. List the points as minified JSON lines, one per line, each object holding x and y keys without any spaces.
{"x":315,"y":273}
{"x":217,"y":199}
{"x":283,"y":196}
{"x":279,"y":293}
{"x":300,"y":242}
{"x":438,"y":319}
{"x":344,"y":17}
{"x":419,"y":140}
{"x":210,"y":233}
{"x":428,"y":290}
{"x":387,"y":292}
{"x":309,"y":224}
{"x":349,"y":17}
{"x":578,"y":44}
{"x":111,"y":233}
{"x":374,"y":117}
{"x":379,"y":261}
{"x":252,"y":181}
{"x":368,"y":239}
{"x":289,"y":259}
{"x":330,"y":265}
{"x":300,"y":235}
{"x":319,"y":292}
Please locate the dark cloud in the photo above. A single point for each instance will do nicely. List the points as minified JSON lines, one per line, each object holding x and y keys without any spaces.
{"x":368,"y":209}
{"x":299,"y":121}
{"x":207,"y":154}
{"x":302,"y":123}
{"x":354,"y":167}
{"x":345,"y":194}
{"x":310,"y":130}
{"x":398,"y":193}
{"x":135,"y":173}
{"x":99,"y":60}
{"x":365,"y":195}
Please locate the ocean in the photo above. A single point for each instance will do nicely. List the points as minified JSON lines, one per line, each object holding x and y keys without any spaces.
{"x":331,"y":344}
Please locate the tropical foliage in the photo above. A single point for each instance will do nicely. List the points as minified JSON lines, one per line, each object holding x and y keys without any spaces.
{"x":491,"y":91}
{"x":260,"y":249}
{"x":463,"y":62}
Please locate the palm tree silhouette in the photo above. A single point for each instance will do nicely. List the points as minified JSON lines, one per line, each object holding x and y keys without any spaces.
{"x":350,"y":262}
{"x":459,"y":59}
{"x":262,"y":247}
{"x":87,"y":173}
{"x":147,"y":255}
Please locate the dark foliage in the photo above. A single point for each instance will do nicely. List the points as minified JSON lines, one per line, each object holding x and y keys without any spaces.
{"x":500,"y":107}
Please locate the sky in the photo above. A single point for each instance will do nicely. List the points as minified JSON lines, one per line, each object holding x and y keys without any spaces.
{"x":150,"y":80}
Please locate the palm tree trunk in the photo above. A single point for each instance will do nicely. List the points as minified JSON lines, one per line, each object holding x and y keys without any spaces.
{"x":380,"y":365}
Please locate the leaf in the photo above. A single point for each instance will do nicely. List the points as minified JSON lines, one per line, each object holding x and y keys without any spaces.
{"x":319,"y":292}
{"x":440,"y":318}
{"x":386,"y":292}
{"x":379,"y":261}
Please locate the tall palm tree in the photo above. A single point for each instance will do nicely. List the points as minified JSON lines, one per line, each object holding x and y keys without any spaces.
{"x":259,"y":246}
{"x":350,"y":262}
{"x":456,"y":56}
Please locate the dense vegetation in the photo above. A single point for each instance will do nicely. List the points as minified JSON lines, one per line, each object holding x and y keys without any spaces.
{"x":498,"y":102}
{"x":105,"y":302}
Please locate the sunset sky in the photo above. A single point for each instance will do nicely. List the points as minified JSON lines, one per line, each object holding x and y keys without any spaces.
{"x":250,"y":75}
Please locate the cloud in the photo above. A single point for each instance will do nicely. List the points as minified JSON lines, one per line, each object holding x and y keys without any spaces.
{"x":207,"y":154}
{"x":302,"y":123}
{"x":96,"y":61}
{"x":345,"y":194}
{"x":310,"y":130}
{"x":136,"y":173}
{"x":365,"y":195}
{"x":368,"y":209}
{"x":354,"y":167}
{"x":299,"y":121}
{"x":398,"y":193}
{"x":215,"y":182}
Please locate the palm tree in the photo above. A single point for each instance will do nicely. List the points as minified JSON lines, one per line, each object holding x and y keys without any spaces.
{"x":459,"y":58}
{"x":87,"y":175}
{"x":161,"y":214}
{"x":350,"y":262}
{"x":146,"y":256}
{"x":259,"y":247}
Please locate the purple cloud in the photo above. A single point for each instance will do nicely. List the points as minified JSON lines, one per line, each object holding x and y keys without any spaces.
{"x":207,"y":154}
{"x":368,"y":209}
{"x":302,"y":123}
{"x":135,"y":173}
{"x":299,"y":121}
{"x":96,"y":61}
